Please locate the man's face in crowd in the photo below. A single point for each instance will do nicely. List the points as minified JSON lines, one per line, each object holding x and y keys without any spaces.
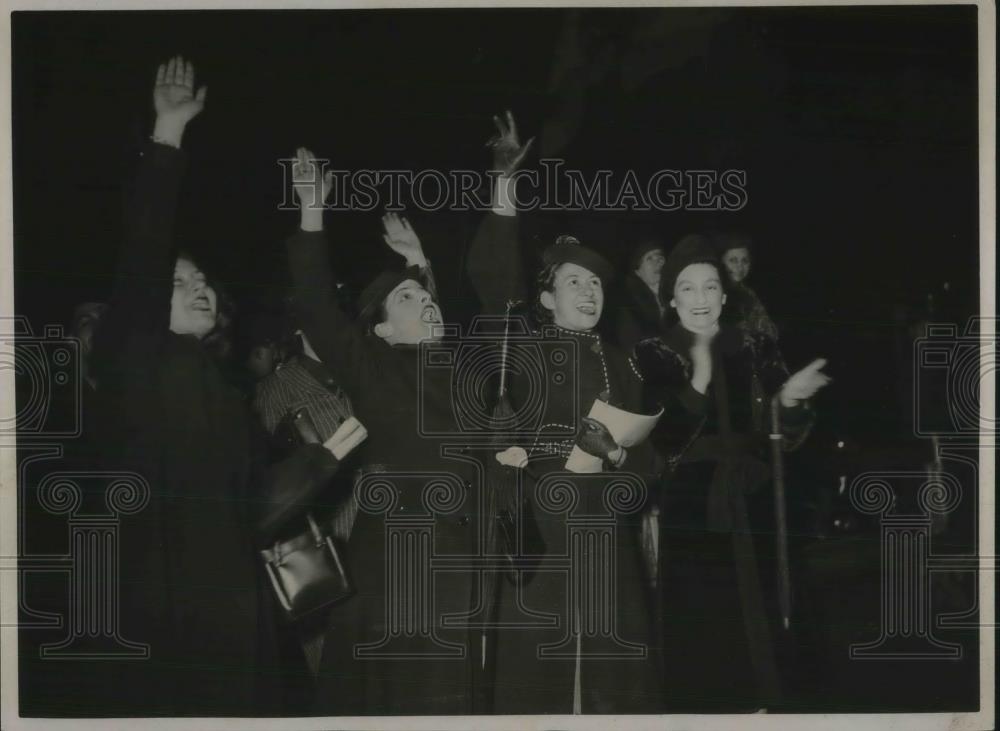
{"x":698,"y":297}
{"x":649,"y":268}
{"x":411,"y":315}
{"x":577,"y":298}
{"x":737,"y":263}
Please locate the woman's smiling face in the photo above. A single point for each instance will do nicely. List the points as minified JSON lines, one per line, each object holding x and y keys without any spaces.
{"x":576,"y":299}
{"x":698,"y":297}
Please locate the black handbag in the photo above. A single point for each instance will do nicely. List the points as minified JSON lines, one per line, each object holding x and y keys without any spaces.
{"x":306,"y":571}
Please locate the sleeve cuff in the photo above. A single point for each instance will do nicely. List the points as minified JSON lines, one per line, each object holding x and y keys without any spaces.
{"x":162,"y":153}
{"x":301,"y":236}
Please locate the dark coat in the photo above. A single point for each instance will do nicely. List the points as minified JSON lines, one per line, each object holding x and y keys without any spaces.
{"x":748,"y":311}
{"x":639,"y":315}
{"x":191,"y":584}
{"x":408,"y":412}
{"x":525,"y":684}
{"x":717,"y":642}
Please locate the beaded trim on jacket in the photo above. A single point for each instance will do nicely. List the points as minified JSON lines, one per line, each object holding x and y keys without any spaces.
{"x":563,"y":447}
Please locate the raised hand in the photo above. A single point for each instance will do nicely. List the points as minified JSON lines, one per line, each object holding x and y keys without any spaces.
{"x":508,"y":153}
{"x":804,"y":383}
{"x":311,"y":188}
{"x":175,"y":100}
{"x":401,"y":238}
{"x":701,"y":361}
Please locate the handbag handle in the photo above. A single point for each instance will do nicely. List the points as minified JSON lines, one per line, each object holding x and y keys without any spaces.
{"x":314,"y":529}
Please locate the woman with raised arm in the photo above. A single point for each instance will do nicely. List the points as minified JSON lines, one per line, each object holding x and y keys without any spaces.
{"x":190,"y":585}
{"x":397,"y":647}
{"x":577,"y":637}
{"x":717,"y":641}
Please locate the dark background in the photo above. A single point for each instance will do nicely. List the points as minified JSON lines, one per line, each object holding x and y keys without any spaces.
{"x":857,"y":127}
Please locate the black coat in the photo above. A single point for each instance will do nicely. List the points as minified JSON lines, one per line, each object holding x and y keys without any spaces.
{"x":190,"y":583}
{"x":639,"y":315}
{"x":408,"y":410}
{"x":717,"y":639}
{"x":525,"y":684}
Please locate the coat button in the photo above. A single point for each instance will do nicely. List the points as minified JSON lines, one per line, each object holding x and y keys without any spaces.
{"x":467,"y":485}
{"x":464,"y":520}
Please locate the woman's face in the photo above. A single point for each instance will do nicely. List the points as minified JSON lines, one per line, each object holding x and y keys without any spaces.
{"x":698,"y":297}
{"x":650,"y":267}
{"x":576,"y":299}
{"x":737,"y":263}
{"x":193,"y":304}
{"x":411,"y":315}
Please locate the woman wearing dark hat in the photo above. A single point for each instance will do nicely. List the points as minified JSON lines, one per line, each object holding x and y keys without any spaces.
{"x":584,"y":676}
{"x":734,"y":252}
{"x":640,"y":314}
{"x":408,"y":412}
{"x":716,"y":637}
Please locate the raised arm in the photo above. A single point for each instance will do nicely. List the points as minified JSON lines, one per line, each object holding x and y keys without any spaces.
{"x":139,"y":316}
{"x":494,"y":262}
{"x":338,"y":341}
{"x":401,"y":238}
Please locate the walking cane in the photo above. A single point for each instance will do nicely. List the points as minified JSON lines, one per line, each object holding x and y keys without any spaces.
{"x":781,"y":518}
{"x":498,"y":488}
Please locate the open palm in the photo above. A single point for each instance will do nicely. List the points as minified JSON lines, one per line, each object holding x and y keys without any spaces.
{"x":508,"y":152}
{"x":401,"y":238}
{"x":174,"y":96}
{"x":805,"y":383}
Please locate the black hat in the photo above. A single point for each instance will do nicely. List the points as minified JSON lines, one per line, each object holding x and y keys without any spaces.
{"x":569,"y":250}
{"x":646,"y":245}
{"x":692,"y":249}
{"x":375,"y":293}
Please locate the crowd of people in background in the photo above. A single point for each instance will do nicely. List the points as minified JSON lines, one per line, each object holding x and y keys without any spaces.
{"x":235,"y":471}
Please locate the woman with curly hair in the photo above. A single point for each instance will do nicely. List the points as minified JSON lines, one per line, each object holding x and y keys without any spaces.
{"x":191,"y":587}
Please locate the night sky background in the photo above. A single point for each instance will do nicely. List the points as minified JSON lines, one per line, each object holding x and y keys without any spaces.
{"x":856,"y":126}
